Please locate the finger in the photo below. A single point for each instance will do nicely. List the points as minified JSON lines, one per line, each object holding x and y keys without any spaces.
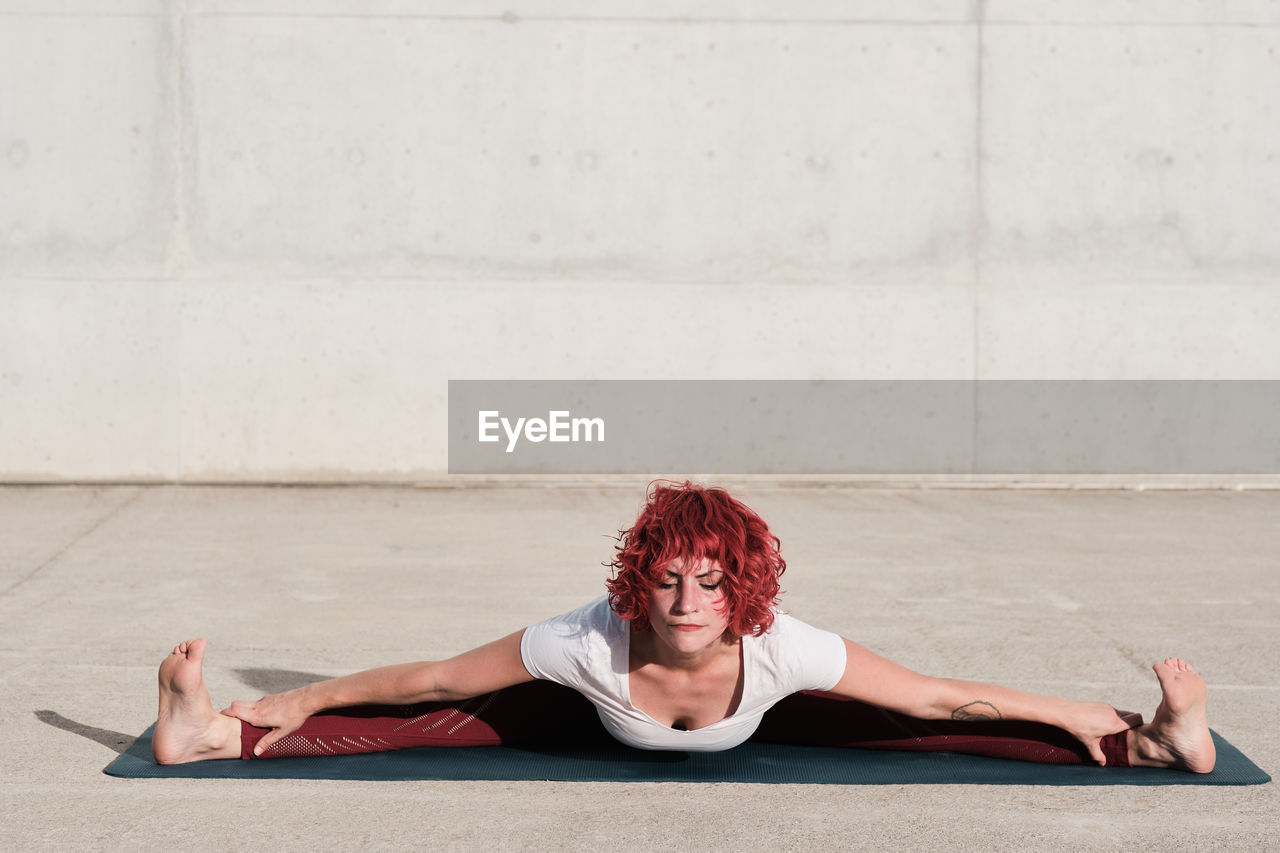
{"x":268,"y":739}
{"x":247,"y":711}
{"x":1095,"y":750}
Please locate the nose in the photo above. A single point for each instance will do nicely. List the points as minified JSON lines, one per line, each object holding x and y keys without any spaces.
{"x":684,"y":601}
{"x":677,"y":603}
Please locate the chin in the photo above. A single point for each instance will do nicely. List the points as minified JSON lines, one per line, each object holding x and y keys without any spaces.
{"x":691,"y":641}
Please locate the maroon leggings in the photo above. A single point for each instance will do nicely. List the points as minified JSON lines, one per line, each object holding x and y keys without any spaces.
{"x":544,"y":712}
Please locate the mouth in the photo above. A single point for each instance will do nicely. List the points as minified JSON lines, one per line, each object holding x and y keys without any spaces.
{"x":682,"y":626}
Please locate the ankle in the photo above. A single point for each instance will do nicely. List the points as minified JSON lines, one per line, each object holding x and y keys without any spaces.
{"x":226,"y":739}
{"x":1147,"y":751}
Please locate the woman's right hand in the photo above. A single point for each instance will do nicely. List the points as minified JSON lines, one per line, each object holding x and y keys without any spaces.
{"x":283,"y":713}
{"x":1090,"y":722}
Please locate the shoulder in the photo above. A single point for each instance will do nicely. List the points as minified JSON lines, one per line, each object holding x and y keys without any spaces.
{"x":564,"y":644}
{"x":789,"y":630}
{"x":799,"y":653}
{"x":595,"y":615}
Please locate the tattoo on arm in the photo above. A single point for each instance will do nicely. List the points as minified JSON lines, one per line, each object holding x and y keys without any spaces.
{"x":978,"y":710}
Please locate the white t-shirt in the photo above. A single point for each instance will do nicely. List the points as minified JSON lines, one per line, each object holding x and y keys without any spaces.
{"x":588,"y":649}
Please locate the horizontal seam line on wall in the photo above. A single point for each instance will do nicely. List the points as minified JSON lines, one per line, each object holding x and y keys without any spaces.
{"x":499,"y":19}
{"x":854,"y":22}
{"x":483,"y":481}
{"x":257,"y":280}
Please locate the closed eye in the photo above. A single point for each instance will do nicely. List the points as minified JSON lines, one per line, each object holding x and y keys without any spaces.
{"x":709,"y":587}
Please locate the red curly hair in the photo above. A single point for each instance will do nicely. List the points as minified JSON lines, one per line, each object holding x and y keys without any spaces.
{"x":693,"y":522}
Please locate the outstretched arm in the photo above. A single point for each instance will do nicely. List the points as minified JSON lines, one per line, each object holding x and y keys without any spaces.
{"x":482,"y":670}
{"x":879,"y":681}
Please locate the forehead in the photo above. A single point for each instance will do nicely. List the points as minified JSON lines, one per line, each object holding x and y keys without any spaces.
{"x":681,"y":566}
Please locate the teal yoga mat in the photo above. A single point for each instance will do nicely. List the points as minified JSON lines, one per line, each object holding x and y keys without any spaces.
{"x":751,"y":762}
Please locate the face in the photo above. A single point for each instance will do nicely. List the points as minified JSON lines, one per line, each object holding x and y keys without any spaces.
{"x":687,"y":609}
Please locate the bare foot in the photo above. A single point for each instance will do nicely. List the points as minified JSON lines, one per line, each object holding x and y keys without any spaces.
{"x":1178,"y":736}
{"x":188,"y":729}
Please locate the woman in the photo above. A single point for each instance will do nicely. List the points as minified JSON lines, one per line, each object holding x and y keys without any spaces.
{"x":687,"y":651}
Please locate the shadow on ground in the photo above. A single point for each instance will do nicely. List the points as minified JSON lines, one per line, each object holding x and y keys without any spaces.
{"x":117,"y":742}
{"x":278,"y":680}
{"x":266,"y":680}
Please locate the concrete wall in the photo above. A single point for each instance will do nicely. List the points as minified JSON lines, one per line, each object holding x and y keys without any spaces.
{"x":252,"y":239}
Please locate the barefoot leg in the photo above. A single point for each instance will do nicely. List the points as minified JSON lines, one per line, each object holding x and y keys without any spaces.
{"x":187,"y":728}
{"x":1178,"y":736}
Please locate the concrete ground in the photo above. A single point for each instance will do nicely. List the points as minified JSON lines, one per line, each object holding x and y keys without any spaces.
{"x":1066,"y":592}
